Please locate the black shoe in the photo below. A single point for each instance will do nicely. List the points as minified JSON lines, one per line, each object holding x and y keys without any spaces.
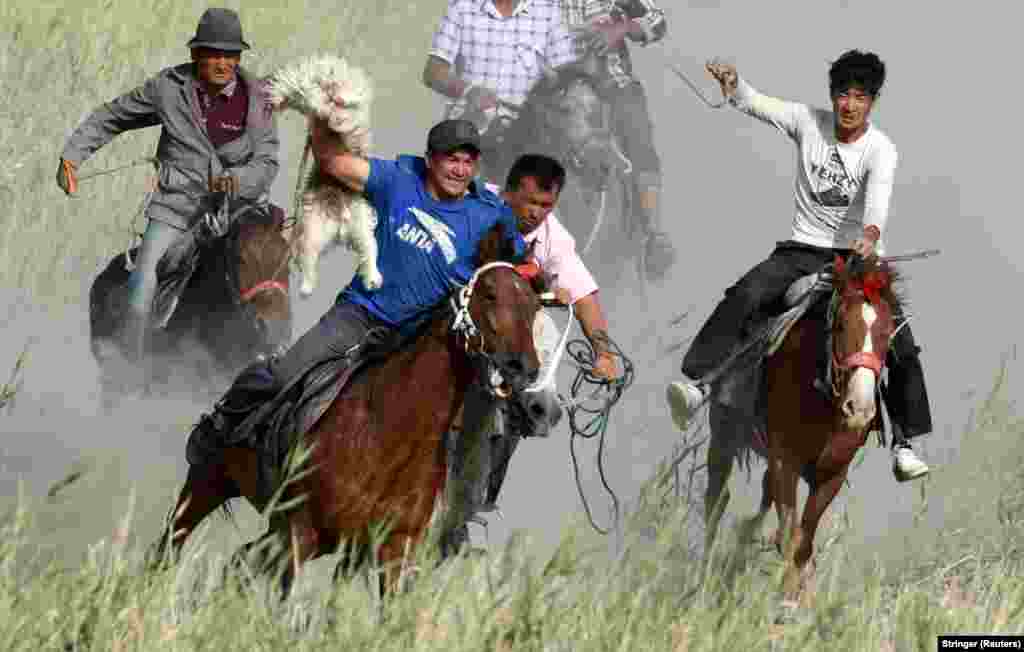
{"x":659,"y":255}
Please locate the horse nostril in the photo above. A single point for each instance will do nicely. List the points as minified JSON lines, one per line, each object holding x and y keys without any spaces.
{"x":537,"y":411}
{"x":514,"y":366}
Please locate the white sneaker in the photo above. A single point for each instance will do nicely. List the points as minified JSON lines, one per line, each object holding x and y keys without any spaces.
{"x":906,"y":465}
{"x":685,"y":399}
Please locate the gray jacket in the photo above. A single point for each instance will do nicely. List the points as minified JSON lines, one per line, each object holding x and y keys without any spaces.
{"x":186,"y":155}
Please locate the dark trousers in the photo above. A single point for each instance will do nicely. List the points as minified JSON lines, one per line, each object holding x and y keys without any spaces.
{"x":631,"y":121}
{"x":761,"y":290}
{"x":341,"y":327}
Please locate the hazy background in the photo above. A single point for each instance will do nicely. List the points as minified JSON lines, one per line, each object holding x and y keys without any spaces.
{"x":950,"y":105}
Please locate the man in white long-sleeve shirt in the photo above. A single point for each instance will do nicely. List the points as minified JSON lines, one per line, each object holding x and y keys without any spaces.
{"x":844,"y":179}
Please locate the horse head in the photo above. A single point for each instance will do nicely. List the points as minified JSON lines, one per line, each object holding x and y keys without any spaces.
{"x":262,"y":274}
{"x":501,"y":305}
{"x":861,"y":328}
{"x":571,"y":117}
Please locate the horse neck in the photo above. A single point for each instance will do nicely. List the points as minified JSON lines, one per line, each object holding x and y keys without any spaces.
{"x":439,"y":355}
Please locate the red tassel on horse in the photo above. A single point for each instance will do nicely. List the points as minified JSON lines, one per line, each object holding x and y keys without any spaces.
{"x":529,"y":270}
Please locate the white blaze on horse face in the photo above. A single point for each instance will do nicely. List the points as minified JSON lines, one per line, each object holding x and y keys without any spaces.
{"x":860,"y":403}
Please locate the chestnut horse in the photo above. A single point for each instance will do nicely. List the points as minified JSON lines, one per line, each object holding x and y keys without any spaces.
{"x":811,"y":435}
{"x":376,"y":455}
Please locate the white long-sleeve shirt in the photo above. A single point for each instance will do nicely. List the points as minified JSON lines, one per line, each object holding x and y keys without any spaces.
{"x":839,"y":187}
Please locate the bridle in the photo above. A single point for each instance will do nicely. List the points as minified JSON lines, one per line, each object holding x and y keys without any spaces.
{"x":463,"y":326}
{"x":866,"y":359}
{"x":244,"y":296}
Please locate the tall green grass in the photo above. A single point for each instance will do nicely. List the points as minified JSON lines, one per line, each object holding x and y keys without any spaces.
{"x":649,"y":593}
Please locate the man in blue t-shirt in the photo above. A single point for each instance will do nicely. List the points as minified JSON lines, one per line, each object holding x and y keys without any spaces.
{"x":431,"y":215}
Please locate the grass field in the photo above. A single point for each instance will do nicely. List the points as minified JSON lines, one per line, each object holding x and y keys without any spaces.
{"x":647,"y":594}
{"x":58,"y":61}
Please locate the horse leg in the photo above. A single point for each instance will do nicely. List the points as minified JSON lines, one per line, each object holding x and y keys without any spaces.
{"x":392,"y":554}
{"x":787,"y":478}
{"x":750,"y":529}
{"x":716,"y":496}
{"x":305,"y":545}
{"x":207,"y":487}
{"x":823,"y":492}
{"x":721,"y":457}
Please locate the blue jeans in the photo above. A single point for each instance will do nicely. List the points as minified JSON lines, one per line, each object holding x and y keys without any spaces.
{"x":158,"y":237}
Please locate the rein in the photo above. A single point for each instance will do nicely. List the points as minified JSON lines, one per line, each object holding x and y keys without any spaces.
{"x":606,"y":394}
{"x":463,"y":325}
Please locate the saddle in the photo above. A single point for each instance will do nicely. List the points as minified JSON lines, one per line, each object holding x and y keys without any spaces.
{"x":738,"y":385}
{"x":176,"y":268}
{"x":273,"y":428}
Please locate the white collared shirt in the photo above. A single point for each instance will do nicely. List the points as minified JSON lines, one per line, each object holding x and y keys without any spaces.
{"x":506,"y":54}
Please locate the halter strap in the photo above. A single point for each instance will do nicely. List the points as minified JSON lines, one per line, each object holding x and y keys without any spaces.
{"x":867,"y":359}
{"x":463,"y":322}
{"x":263,"y":286}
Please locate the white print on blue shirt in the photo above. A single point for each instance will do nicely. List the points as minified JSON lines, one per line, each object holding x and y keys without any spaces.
{"x":434,"y":231}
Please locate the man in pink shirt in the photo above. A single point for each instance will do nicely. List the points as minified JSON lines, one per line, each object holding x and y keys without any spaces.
{"x":481,"y":446}
{"x":531,"y":190}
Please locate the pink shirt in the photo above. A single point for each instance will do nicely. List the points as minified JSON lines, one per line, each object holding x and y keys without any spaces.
{"x":555,"y":253}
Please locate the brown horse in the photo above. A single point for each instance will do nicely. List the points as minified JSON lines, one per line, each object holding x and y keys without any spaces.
{"x":810,"y":435}
{"x":235,"y":306}
{"x":376,"y":454}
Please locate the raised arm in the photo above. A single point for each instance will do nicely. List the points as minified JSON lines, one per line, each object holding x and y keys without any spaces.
{"x":783,"y":115}
{"x":350,"y":170}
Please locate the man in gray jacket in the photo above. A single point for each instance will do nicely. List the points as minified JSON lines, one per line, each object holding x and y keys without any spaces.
{"x":218,"y":142}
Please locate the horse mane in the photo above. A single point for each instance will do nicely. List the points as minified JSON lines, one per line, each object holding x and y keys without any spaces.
{"x":878,"y":273}
{"x":497,"y":246}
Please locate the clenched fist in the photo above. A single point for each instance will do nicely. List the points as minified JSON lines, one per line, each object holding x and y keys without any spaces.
{"x":66,"y":177}
{"x":725,"y":74}
{"x":226,"y":183}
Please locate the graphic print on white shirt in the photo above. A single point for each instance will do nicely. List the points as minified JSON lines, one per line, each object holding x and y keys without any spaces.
{"x":835,"y":187}
{"x":839,"y":188}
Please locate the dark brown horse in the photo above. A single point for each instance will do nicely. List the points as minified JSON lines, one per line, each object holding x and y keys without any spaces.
{"x":235,"y":307}
{"x":376,"y":454}
{"x":810,"y":435}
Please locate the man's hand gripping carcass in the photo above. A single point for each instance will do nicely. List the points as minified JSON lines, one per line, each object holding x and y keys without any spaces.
{"x":335,"y":96}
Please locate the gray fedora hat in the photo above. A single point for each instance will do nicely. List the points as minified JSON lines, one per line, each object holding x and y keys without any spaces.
{"x":219,"y":29}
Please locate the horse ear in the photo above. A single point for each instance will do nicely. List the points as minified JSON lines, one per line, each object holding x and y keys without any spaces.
{"x":490,"y":248}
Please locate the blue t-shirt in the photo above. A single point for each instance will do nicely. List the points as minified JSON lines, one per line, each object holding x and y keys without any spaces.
{"x":426,"y":248}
